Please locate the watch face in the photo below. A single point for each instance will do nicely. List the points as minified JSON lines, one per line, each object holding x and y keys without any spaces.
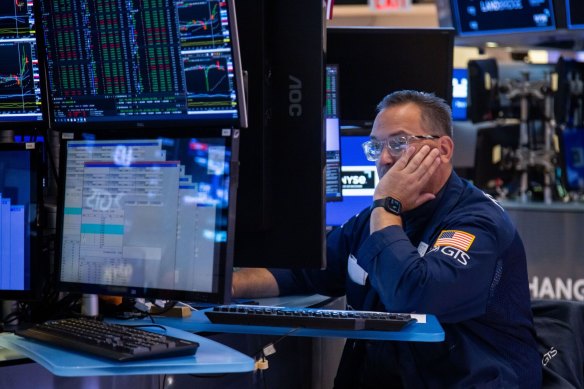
{"x":392,"y":205}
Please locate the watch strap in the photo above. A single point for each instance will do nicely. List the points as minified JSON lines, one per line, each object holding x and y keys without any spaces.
{"x":390,"y":204}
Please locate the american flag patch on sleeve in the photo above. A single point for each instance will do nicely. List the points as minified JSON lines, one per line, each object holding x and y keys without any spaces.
{"x":454,"y":238}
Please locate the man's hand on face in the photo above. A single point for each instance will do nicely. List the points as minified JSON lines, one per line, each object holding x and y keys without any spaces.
{"x":407,"y":180}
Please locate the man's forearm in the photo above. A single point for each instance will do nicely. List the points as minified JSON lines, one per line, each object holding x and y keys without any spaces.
{"x":254,"y":283}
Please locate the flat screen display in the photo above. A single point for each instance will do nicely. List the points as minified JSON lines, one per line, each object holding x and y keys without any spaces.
{"x":148,"y":217}
{"x":359,"y":178}
{"x":20,"y":89}
{"x":573,"y":157}
{"x":140,"y":63}
{"x":575,"y":14}
{"x":20,"y":188}
{"x":459,"y":93}
{"x":333,"y":134}
{"x":477,"y":17}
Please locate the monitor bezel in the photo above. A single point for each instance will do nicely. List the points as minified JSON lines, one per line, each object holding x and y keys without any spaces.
{"x":37,"y":272}
{"x":182,"y":122}
{"x":225,"y":266}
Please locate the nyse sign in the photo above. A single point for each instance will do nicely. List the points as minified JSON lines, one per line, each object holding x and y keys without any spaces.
{"x":359,"y":180}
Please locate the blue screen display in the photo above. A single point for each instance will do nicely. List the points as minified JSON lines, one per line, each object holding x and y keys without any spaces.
{"x":16,"y":213}
{"x":358,"y":178}
{"x":459,"y":93}
{"x":573,"y":146}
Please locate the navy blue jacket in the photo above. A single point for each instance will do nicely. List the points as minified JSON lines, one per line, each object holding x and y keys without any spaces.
{"x":458,"y":257}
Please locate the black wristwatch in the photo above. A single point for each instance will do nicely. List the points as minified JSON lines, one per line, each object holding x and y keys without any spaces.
{"x":390,"y":204}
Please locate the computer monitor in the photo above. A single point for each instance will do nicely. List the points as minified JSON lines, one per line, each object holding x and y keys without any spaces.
{"x":333,"y":160}
{"x":359,"y":178}
{"x":476,"y":18}
{"x":483,"y":90}
{"x":21,"y":104}
{"x":333,"y":134}
{"x":143,"y":64}
{"x":459,"y":93}
{"x":572,"y":158}
{"x":375,"y":61}
{"x":495,"y":158}
{"x":568,"y":98}
{"x":574,"y":14}
{"x":20,"y":223}
{"x":148,"y":216}
{"x":281,"y":193}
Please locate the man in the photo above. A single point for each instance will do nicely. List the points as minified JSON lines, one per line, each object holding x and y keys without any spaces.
{"x":430,"y":243}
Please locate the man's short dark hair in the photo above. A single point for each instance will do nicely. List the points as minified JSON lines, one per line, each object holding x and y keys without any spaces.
{"x":436,"y":113}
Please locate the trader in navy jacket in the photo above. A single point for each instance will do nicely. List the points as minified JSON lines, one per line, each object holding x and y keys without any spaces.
{"x":433,"y":243}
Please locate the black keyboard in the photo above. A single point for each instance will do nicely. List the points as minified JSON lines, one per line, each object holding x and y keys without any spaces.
{"x":113,"y":341}
{"x":308,"y":317}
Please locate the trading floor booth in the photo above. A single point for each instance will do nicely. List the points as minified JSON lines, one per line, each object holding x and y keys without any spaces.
{"x":175,"y":142}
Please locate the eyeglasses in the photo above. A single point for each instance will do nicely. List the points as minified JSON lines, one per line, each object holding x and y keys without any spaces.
{"x":395,"y":145}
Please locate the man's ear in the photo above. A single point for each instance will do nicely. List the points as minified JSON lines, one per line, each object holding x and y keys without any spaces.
{"x":446,"y":145}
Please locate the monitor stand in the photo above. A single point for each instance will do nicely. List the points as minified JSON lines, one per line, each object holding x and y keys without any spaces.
{"x":7,"y":307}
{"x":90,"y":305}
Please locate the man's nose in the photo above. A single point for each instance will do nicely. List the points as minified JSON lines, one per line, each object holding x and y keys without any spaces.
{"x":386,"y":157}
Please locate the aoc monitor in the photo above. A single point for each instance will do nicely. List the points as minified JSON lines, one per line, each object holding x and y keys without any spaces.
{"x":148,"y":217}
{"x":281,"y":194}
{"x":375,"y":61}
{"x":21,"y":103}
{"x":20,"y":222}
{"x":141,"y":64}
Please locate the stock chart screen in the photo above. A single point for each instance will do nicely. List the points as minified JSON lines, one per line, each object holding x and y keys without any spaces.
{"x":20,"y":94}
{"x":138,"y":61}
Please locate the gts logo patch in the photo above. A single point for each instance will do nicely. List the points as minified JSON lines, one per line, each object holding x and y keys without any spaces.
{"x":458,"y":255}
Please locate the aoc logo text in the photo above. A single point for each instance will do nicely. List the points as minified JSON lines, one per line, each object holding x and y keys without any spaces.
{"x":294,"y":96}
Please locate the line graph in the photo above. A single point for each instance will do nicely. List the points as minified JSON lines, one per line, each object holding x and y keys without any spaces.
{"x":207,"y":76}
{"x":208,"y":81}
{"x":201,"y":24}
{"x":15,"y":21}
{"x":17,"y":81}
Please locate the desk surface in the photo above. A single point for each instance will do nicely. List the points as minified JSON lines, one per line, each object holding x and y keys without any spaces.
{"x":211,"y":358}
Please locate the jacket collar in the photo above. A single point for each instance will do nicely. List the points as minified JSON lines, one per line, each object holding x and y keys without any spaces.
{"x":419,"y":218}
